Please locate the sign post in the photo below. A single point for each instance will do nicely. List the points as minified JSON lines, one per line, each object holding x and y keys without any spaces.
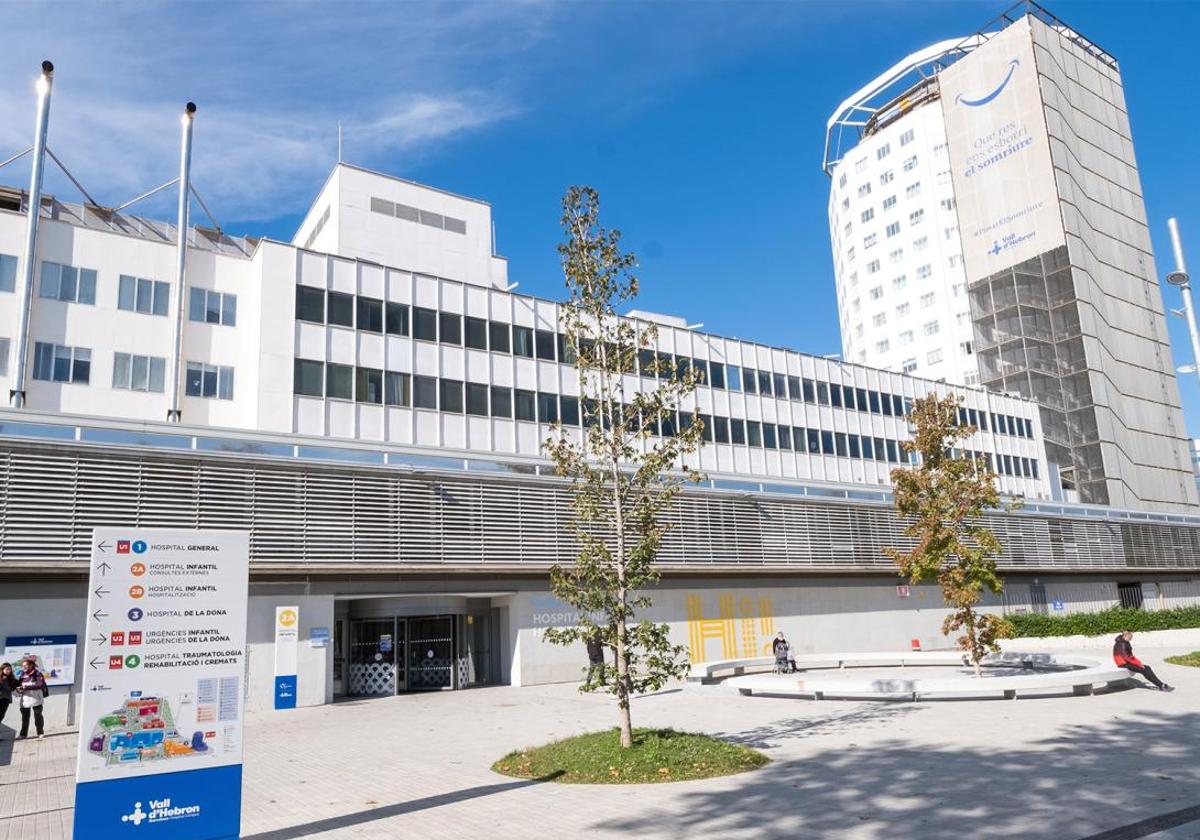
{"x":160,"y":736}
{"x":287,"y":640}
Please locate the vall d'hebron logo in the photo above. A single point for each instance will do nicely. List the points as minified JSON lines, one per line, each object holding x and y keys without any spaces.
{"x":160,"y":811}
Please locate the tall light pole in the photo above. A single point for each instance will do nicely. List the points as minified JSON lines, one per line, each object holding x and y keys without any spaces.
{"x":1179,"y":277}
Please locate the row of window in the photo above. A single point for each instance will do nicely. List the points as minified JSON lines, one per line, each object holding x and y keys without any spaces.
{"x":131,"y":372}
{"x":1013,"y":465}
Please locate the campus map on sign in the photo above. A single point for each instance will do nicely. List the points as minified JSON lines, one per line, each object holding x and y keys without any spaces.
{"x":163,"y":682}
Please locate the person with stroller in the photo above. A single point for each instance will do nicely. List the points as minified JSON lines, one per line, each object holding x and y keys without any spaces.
{"x":785,"y":660}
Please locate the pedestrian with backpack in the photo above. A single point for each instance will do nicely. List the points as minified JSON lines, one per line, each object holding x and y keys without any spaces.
{"x":33,"y":691}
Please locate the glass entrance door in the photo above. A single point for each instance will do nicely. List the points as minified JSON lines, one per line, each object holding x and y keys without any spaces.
{"x":373,"y":656}
{"x":431,"y":660}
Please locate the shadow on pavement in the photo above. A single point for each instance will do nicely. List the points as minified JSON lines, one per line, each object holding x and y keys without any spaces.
{"x":397,"y":809}
{"x":1123,"y":778}
{"x":768,"y":736}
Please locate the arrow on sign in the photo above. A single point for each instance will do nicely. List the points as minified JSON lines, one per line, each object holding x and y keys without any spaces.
{"x":102,"y":546}
{"x":97,"y":615}
{"x":95,"y":659}
{"x":100,"y":591}
{"x":101,"y":639}
{"x":103,"y":568}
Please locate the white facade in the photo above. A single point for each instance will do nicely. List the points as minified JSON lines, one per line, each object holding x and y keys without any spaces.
{"x":343,"y":346}
{"x":897,"y":259}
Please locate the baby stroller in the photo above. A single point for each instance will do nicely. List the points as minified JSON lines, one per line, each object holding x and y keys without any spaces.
{"x":783,"y":662}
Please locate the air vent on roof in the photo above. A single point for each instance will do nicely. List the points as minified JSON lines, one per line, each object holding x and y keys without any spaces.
{"x":413,"y":214}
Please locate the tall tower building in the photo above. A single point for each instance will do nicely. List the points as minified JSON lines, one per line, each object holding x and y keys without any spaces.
{"x":1042,"y":281}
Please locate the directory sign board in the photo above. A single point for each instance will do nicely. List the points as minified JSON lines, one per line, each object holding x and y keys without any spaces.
{"x":287,"y":641}
{"x":160,"y":735}
{"x":55,"y":656}
{"x":1008,"y":205}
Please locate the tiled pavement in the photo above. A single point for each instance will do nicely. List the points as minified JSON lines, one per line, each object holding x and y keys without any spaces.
{"x":417,"y":766}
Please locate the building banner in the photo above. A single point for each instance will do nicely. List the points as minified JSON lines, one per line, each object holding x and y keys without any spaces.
{"x":287,"y":643}
{"x":1008,"y":205}
{"x":160,"y":735}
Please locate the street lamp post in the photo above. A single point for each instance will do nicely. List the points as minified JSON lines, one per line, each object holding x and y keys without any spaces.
{"x":1179,"y":277}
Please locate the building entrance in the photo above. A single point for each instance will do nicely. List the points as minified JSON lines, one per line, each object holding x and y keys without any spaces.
{"x":393,"y":655}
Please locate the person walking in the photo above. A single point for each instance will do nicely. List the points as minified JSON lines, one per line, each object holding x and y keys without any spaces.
{"x":595,"y":652}
{"x":32,"y":691}
{"x":8,"y":684}
{"x":1123,"y":656}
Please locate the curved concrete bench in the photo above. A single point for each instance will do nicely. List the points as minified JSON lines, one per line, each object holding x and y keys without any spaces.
{"x":1080,"y":674}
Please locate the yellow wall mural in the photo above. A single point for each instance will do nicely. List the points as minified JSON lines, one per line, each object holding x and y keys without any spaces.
{"x":744,"y":625}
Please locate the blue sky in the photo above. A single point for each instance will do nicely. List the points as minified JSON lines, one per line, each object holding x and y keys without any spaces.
{"x":700,"y":123}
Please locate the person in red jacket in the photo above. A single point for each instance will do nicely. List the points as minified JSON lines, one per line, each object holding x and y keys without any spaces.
{"x":1123,"y":656}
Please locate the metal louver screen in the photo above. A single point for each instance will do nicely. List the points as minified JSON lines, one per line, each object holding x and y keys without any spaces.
{"x":316,"y":516}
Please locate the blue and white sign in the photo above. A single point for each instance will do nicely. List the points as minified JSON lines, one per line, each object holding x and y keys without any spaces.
{"x":318,"y":636}
{"x":1057,"y":605}
{"x":55,"y":655}
{"x":160,"y":736}
{"x":287,"y":642}
{"x":996,"y":135}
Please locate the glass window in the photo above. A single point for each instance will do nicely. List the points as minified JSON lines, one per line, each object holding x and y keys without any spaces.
{"x":339,"y":382}
{"x":498,"y":336}
{"x":701,"y":368}
{"x":545,"y":341}
{"x":735,"y":378}
{"x":522,"y":341}
{"x":525,"y":404}
{"x":810,"y":392}
{"x":547,"y":408}
{"x":144,"y":295}
{"x":839,"y":444}
{"x":868,"y":451}
{"x":737,"y":428}
{"x":814,"y":441}
{"x":396,"y":318}
{"x":754,"y":433}
{"x":823,"y":393}
{"x":309,"y":379}
{"x":49,"y":285}
{"x":854,"y":450}
{"x":397,"y":389}
{"x":827,"y":443}
{"x":451,"y":395}
{"x":87,"y":288}
{"x":716,"y":374}
{"x":793,"y":388}
{"x":425,"y":390}
{"x":310,"y":305}
{"x":670,"y":424}
{"x":228,"y":309}
{"x":43,"y":361}
{"x":340,"y":309}
{"x":873,"y":397}
{"x":835,"y":395}
{"x":861,"y":393}
{"x":880,"y":451}
{"x":424,"y":325}
{"x":476,"y":335}
{"x":121,"y":365}
{"x":449,"y":328}
{"x":887,"y":404}
{"x":721,"y":429}
{"x":81,"y":366}
{"x":477,"y":399}
{"x":749,"y":381}
{"x":764,"y":382}
{"x":646,"y":362}
{"x":893,"y":455}
{"x":368,"y":386}
{"x":501,"y":401}
{"x":570,"y":410}
{"x":370,"y":315}
{"x":848,"y":396}
{"x":768,"y":433}
{"x":785,"y":437}
{"x":8,"y":273}
{"x":196,"y":300}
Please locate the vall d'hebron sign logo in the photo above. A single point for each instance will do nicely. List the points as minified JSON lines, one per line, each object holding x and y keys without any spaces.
{"x":160,"y":810}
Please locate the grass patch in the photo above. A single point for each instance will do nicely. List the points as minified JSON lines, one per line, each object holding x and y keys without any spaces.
{"x":1192,"y":659}
{"x":657,"y":755}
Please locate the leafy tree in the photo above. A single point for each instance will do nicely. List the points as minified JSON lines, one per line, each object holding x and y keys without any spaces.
{"x":943,"y":496}
{"x":625,"y":468}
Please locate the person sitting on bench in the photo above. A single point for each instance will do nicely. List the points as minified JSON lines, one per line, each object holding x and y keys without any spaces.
{"x":1123,"y":656}
{"x":783,"y":653}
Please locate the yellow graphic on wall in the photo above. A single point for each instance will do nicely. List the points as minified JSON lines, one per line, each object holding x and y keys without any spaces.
{"x":745,"y":626}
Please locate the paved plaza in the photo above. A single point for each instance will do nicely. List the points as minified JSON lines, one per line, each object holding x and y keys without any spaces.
{"x":1115,"y":766}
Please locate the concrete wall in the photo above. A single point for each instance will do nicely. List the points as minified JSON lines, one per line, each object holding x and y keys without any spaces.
{"x":314,"y":678}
